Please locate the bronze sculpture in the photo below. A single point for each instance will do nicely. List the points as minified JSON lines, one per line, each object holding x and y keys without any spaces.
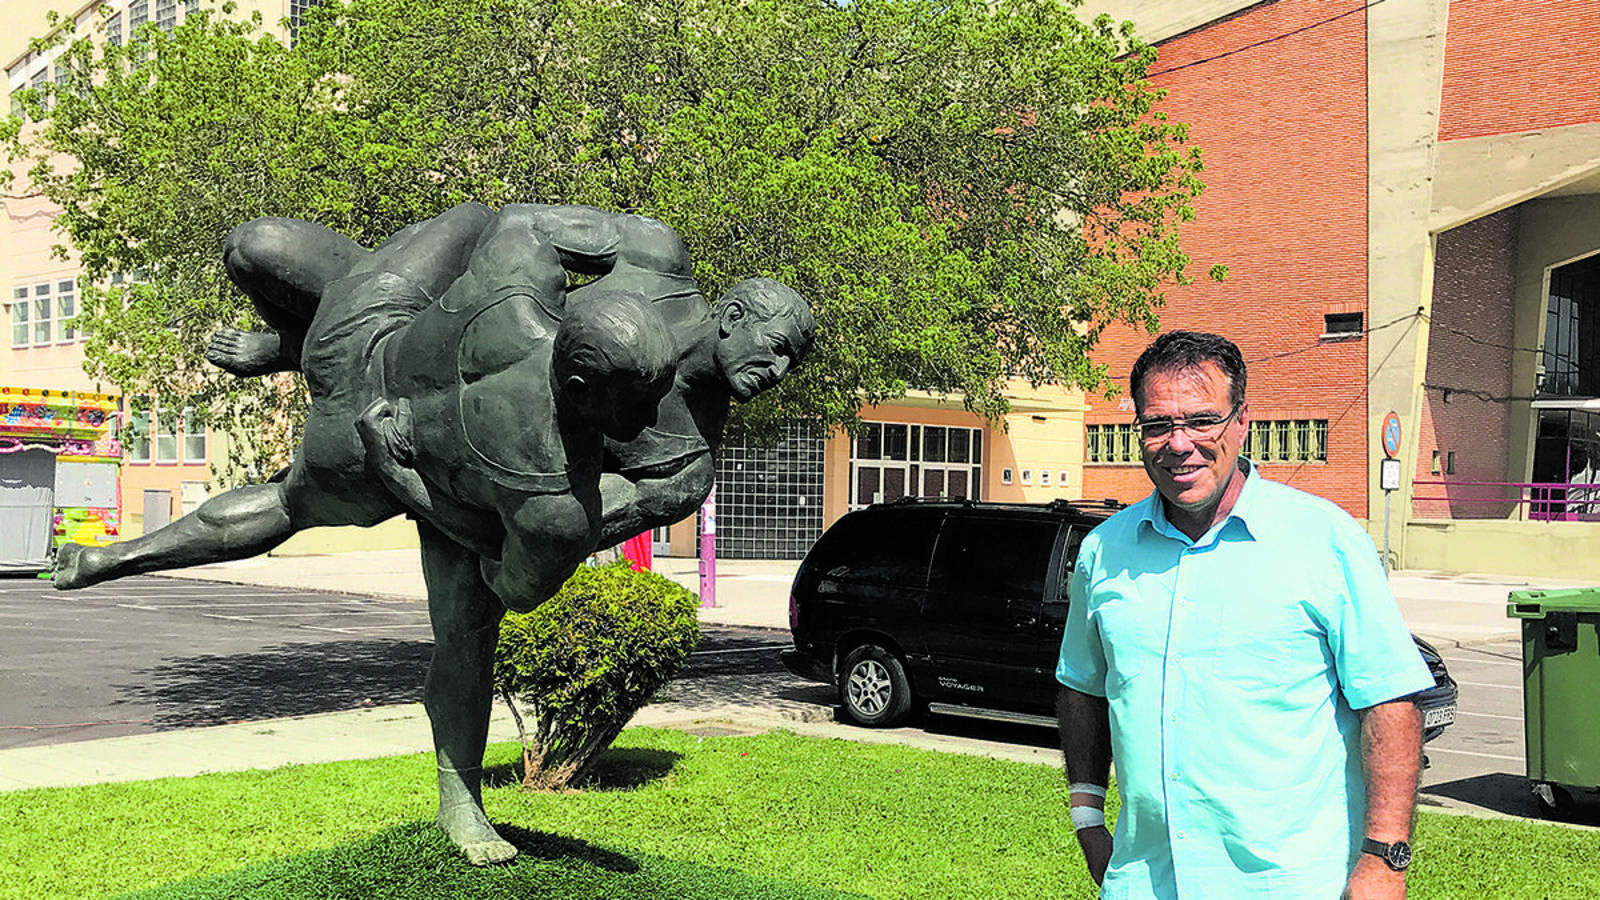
{"x":455,"y":379}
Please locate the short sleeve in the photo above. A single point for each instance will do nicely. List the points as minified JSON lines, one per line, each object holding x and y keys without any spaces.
{"x":1082,"y":663}
{"x":1373,"y":652}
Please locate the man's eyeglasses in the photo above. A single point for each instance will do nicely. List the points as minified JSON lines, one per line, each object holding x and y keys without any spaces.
{"x":1201,"y":427}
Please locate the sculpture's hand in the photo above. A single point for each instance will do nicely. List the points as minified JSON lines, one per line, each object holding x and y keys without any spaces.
{"x":385,"y":431}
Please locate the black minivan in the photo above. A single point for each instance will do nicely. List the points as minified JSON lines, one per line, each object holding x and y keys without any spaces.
{"x":960,"y":606}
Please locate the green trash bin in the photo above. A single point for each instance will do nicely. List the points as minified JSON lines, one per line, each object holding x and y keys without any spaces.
{"x":1560,"y":691}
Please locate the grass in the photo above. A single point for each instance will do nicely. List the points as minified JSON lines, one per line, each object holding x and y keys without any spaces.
{"x":670,"y":815}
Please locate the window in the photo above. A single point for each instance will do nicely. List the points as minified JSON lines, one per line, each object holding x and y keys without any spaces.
{"x":1115,"y":444}
{"x":138,"y":13}
{"x":1572,"y":331}
{"x":297,"y":13}
{"x":1345,"y":324}
{"x":37,"y":83}
{"x":66,"y":311}
{"x":137,"y":437}
{"x":981,"y":557}
{"x":1287,"y":441}
{"x":19,"y":317}
{"x":166,"y":14}
{"x":194,"y":437}
{"x":114,"y":29}
{"x":166,"y":439}
{"x":893,"y":460}
{"x":42,"y":309}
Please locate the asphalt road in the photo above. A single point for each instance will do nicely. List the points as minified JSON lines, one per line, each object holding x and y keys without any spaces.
{"x":150,"y":654}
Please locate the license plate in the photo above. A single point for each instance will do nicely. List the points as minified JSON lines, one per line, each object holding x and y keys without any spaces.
{"x":1442,"y":715}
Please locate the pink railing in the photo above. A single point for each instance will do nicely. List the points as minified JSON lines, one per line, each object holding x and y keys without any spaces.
{"x":1539,"y":501}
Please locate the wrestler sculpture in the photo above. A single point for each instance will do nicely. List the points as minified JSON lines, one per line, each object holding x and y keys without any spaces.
{"x":454,"y":379}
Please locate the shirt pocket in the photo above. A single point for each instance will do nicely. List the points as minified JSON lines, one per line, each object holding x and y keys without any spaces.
{"x":1126,"y":635}
{"x":1266,"y":641}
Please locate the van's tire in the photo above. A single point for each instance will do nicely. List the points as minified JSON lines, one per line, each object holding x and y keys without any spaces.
{"x":873,"y":688}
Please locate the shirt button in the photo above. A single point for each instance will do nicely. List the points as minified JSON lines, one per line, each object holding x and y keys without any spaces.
{"x":1181,"y":835}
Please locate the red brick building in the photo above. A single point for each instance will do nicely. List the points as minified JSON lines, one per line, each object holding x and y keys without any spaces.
{"x":1407,"y":197}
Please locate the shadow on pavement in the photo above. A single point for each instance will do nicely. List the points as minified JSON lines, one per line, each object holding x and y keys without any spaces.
{"x":1509,"y":794}
{"x":286,"y":680}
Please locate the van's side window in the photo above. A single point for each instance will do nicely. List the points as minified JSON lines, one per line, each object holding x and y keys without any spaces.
{"x":1069,"y":561}
{"x":994,"y":556}
{"x":861,"y":549}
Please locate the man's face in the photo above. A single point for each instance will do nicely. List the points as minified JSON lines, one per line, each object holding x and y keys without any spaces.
{"x":753,"y":354}
{"x":1191,"y":468}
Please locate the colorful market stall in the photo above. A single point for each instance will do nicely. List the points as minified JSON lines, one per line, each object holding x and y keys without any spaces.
{"x":60,"y":464}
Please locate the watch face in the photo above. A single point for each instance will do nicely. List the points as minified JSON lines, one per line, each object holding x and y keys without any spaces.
{"x":1399,"y":856}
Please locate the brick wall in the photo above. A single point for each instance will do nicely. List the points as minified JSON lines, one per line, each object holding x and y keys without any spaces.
{"x":1281,"y":121}
{"x":1469,"y":368}
{"x":1514,"y":65}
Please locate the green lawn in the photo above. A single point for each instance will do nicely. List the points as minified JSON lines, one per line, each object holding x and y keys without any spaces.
{"x":673,"y":816}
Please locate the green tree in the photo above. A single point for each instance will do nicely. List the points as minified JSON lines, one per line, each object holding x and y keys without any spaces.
{"x":966,"y":190}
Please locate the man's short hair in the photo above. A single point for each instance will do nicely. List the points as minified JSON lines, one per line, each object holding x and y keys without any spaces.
{"x":611,"y":335}
{"x":765,"y":299}
{"x":1179,"y":350}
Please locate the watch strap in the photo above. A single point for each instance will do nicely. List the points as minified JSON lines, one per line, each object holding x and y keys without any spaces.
{"x":1396,"y":856}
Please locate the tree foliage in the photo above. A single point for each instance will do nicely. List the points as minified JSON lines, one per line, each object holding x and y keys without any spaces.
{"x":966,"y":190}
{"x":586,"y":660}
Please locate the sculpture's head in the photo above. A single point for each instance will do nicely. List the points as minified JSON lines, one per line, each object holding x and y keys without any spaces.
{"x":764,"y":329}
{"x":613,"y":361}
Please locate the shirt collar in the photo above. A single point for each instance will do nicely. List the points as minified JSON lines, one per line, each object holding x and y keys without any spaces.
{"x":1246,"y":509}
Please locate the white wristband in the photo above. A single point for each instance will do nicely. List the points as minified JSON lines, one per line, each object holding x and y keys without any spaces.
{"x":1087,"y":817}
{"x":1083,"y":787}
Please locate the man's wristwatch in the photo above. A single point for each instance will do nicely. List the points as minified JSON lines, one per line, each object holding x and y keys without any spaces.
{"x":1396,"y":856}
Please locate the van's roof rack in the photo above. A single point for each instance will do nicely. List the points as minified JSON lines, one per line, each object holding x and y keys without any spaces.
{"x":1107,"y":503}
{"x":1057,"y":504}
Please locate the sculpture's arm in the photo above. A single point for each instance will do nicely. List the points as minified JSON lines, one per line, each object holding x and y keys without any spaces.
{"x":385,"y":430}
{"x":632,"y":507}
{"x":593,"y":242}
{"x":547,"y":536}
{"x":586,"y":239}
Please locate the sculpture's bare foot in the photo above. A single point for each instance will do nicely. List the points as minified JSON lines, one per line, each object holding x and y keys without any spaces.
{"x":462,"y":817}
{"x":74,"y":567}
{"x":247,"y":353}
{"x":469,"y":829}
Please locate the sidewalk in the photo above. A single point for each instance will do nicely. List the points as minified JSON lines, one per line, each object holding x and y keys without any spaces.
{"x":753,"y":593}
{"x":1448,"y":609}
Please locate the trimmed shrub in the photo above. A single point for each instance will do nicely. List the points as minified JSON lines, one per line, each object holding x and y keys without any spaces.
{"x":586,"y":660}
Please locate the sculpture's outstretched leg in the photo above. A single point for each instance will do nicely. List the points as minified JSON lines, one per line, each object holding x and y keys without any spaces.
{"x":241,"y":523}
{"x":459,"y":691}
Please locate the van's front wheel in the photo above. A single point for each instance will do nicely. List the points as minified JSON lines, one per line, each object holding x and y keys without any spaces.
{"x":873,"y":688}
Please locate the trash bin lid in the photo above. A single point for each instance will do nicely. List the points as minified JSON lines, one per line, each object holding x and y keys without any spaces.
{"x":1535,"y":604}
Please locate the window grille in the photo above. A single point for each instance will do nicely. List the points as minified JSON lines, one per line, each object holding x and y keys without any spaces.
{"x":769,"y":499}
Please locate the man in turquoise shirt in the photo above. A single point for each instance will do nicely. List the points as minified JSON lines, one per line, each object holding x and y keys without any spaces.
{"x":1232,"y":643}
